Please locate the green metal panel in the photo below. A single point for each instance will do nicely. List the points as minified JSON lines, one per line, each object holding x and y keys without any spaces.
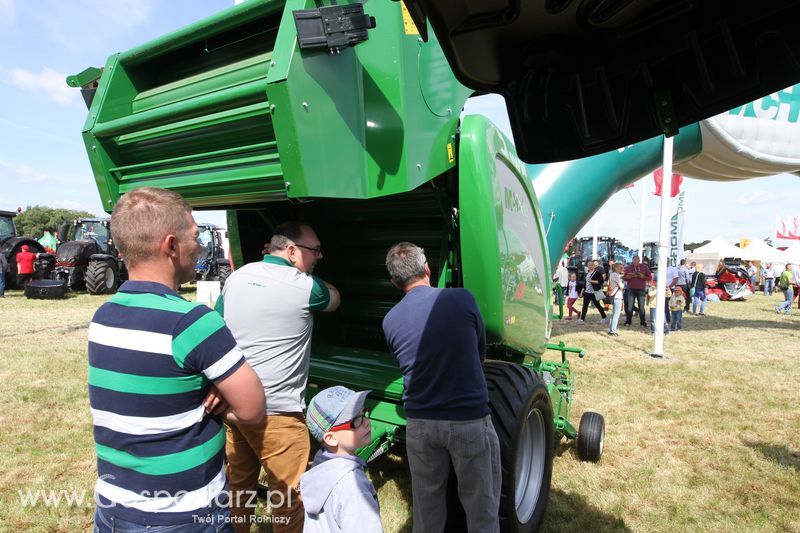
{"x":373,"y":120}
{"x":504,"y":255}
{"x":571,"y":192}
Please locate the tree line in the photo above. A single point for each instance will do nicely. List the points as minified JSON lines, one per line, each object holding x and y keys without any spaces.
{"x":34,"y":220}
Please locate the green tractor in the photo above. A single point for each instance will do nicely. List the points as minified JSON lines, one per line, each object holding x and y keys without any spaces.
{"x":87,"y":259}
{"x":351,"y":121}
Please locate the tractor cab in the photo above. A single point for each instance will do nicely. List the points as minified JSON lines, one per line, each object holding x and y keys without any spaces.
{"x":212,"y":263}
{"x":94,"y":230}
{"x":7,"y":228}
{"x":87,"y":258}
{"x":608,"y":249}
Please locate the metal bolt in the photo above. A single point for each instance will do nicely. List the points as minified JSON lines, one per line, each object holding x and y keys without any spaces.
{"x":272,"y":63}
{"x":449,"y":111}
{"x":94,"y":147}
{"x":305,"y":106}
{"x":668,"y":120}
{"x":288,"y":185}
{"x":419,"y":166}
{"x":271,"y":108}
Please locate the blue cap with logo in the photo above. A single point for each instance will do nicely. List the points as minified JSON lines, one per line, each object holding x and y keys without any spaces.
{"x":332,"y":407}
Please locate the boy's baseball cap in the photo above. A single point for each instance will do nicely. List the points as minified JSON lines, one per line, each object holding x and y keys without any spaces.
{"x":332,"y":407}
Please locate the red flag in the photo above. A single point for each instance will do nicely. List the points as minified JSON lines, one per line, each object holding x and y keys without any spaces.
{"x":788,"y":228}
{"x":677,"y":179}
{"x":628,"y":186}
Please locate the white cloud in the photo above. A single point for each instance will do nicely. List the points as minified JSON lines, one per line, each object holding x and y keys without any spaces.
{"x":47,"y":82}
{"x":70,"y":204}
{"x":6,"y":12}
{"x":25,"y":174}
{"x":756,"y":198}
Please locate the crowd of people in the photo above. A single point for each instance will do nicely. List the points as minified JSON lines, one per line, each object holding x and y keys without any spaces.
{"x":190,"y":403}
{"x":632,"y":289}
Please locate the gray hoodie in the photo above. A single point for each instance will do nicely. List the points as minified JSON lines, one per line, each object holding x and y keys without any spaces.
{"x":338,"y":497}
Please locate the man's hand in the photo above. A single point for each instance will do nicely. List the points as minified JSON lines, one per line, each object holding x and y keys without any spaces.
{"x":214,"y":402}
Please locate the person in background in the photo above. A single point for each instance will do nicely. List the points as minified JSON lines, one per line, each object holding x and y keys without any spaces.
{"x":592,"y":284}
{"x":785,"y":284}
{"x":561,"y":277}
{"x":769,"y":279}
{"x":672,"y":282}
{"x":751,"y":274}
{"x":637,"y":275}
{"x":616,"y":289}
{"x":684,"y":280}
{"x":25,"y":260}
{"x":699,"y":295}
{"x":574,"y":291}
{"x":48,"y":241}
{"x":653,"y":302}
{"x":3,"y":270}
{"x":796,"y":283}
{"x":676,"y":305}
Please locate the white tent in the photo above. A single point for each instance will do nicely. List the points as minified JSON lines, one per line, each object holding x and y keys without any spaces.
{"x":792,"y":253}
{"x":761,"y":251}
{"x":709,"y":255}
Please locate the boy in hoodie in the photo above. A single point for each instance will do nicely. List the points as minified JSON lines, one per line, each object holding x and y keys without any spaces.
{"x":337,"y":495}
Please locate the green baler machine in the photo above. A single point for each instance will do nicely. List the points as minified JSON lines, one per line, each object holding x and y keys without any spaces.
{"x":361,"y":137}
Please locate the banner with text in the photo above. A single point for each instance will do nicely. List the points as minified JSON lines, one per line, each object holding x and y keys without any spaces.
{"x":676,"y":224}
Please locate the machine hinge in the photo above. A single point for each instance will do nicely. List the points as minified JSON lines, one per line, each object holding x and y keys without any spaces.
{"x":332,"y":27}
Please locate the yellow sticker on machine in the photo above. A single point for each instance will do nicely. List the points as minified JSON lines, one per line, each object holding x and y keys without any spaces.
{"x":451,"y":156}
{"x":408,"y":23}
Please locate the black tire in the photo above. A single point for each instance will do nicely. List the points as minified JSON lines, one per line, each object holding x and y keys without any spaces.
{"x":523,"y":419}
{"x":45,"y":289}
{"x":223,"y":272}
{"x":101,"y":278}
{"x":591,"y":437}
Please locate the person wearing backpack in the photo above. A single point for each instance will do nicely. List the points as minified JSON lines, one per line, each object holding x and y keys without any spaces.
{"x":785,"y":284}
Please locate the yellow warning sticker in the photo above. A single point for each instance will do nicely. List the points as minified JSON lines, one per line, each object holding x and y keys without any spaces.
{"x":408,"y":23}
{"x":451,"y":156}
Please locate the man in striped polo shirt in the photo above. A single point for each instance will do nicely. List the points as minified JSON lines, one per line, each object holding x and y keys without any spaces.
{"x":269,"y":307}
{"x":163,"y":372}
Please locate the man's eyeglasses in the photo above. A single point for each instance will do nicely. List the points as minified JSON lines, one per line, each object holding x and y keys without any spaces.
{"x":354,"y":423}
{"x":316,"y":250}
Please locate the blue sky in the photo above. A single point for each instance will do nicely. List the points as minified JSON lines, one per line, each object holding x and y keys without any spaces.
{"x":42,"y":160}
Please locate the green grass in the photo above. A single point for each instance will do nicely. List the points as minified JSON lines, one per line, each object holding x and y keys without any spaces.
{"x":707,"y":439}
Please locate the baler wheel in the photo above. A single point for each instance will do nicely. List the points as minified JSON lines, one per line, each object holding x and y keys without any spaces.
{"x":523,"y":419}
{"x":591,"y":436}
{"x":101,"y":278}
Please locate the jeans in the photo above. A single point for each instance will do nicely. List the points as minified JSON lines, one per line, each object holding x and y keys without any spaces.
{"x":474,"y":451}
{"x":638,"y":294}
{"x":280,"y":444}
{"x":786,"y":306}
{"x":615,"y":315}
{"x":677,"y":320}
{"x":769,"y":286}
{"x":753,"y":282}
{"x":653,"y":322}
{"x":2,"y":283}
{"x":699,"y":296}
{"x":218,"y":520}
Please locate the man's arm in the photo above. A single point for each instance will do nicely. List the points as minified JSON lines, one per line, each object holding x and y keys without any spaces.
{"x":336,"y":298}
{"x":243,"y":394}
{"x":324,"y":296}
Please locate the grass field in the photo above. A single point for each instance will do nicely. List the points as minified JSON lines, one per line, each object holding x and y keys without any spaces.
{"x":707,"y":439}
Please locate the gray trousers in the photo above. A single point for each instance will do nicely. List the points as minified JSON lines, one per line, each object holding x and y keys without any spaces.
{"x":473,"y":449}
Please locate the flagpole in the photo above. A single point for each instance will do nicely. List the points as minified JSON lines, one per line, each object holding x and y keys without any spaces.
{"x":594,"y":237}
{"x":641,"y":222}
{"x":663,"y":248}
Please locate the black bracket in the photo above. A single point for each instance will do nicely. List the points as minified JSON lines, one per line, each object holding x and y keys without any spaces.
{"x":332,"y":27}
{"x":665,"y":109}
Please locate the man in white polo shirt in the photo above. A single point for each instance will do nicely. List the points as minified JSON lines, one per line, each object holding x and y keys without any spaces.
{"x":268,"y":306}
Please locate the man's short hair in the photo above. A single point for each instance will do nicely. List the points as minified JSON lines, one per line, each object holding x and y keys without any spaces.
{"x":286,"y":233}
{"x":405,"y":262}
{"x":143,"y":217}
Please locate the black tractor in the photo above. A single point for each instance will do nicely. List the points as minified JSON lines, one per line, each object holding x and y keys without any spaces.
{"x":87,"y":258}
{"x":11,"y":244}
{"x":608,"y":249}
{"x":212,"y":265}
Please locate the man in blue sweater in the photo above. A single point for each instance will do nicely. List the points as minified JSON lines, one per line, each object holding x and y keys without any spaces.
{"x":438,"y":338}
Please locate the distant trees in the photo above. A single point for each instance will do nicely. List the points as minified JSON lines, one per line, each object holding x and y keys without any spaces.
{"x":35,"y":220}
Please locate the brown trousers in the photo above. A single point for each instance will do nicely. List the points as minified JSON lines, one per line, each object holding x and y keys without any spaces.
{"x":280,"y":444}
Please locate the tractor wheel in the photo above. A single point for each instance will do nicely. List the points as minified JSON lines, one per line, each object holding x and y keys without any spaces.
{"x":523,"y":419}
{"x":101,"y":278}
{"x":591,"y":437}
{"x":223,"y":272}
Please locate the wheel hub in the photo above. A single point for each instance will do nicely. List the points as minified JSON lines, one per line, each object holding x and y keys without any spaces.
{"x":529,"y":467}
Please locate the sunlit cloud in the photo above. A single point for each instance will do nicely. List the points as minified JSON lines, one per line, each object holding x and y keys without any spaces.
{"x":19,"y":173}
{"x":756,"y":198}
{"x":46,"y":82}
